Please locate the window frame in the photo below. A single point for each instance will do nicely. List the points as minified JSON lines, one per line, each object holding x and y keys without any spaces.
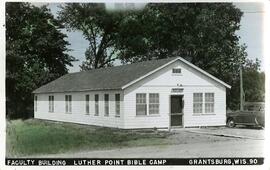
{"x":175,"y":71}
{"x":153,"y":102}
{"x":87,"y":104}
{"x":211,"y":102}
{"x":143,"y":102}
{"x":35,"y":103}
{"x":117,"y":105}
{"x":106,"y":104}
{"x":68,"y":103}
{"x":196,"y":103}
{"x":51,"y":103}
{"x":96,"y":105}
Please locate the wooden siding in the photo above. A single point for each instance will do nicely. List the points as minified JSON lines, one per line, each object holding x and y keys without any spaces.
{"x":78,"y":114}
{"x":162,"y":82}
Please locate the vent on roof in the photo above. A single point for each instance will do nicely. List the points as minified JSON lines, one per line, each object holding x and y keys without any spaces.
{"x":176,"y":71}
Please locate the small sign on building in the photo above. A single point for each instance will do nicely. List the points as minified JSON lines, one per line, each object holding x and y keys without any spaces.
{"x":177,"y":90}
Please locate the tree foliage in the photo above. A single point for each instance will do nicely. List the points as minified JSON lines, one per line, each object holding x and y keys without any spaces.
{"x":35,"y":54}
{"x":202,"y":33}
{"x":253,"y":82}
{"x":98,"y":26}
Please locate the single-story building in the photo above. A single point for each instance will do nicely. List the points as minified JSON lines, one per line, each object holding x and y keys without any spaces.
{"x":161,"y":93}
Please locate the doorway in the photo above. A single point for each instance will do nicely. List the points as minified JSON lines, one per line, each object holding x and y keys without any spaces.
{"x":177,"y":107}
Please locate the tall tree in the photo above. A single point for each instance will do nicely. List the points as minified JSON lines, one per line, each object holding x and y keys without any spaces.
{"x":202,"y":33}
{"x":98,"y":25}
{"x":35,"y":54}
{"x":253,"y":81}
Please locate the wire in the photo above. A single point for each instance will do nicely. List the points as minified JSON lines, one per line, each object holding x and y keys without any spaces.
{"x":253,"y":11}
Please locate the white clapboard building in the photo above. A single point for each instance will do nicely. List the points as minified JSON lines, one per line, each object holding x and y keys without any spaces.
{"x":161,"y":93}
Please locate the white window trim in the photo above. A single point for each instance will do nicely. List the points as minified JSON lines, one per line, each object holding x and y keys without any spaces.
{"x":87,"y":104}
{"x":146,"y":103}
{"x":147,"y":106}
{"x":209,"y":103}
{"x":116,"y":113}
{"x":51,"y":103}
{"x":153,"y":103}
{"x":197,"y":103}
{"x":35,"y":103}
{"x":203,"y":105}
{"x":68,"y":103}
{"x":105,"y":105}
{"x":96,"y":104}
{"x":177,"y":74}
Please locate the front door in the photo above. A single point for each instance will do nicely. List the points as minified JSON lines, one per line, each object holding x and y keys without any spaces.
{"x":177,"y":106}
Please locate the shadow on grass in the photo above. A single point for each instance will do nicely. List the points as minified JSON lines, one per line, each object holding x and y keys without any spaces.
{"x":248,"y":127}
{"x":33,"y":137}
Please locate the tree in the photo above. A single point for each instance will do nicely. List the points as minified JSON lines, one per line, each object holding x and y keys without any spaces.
{"x":202,"y":33}
{"x":35,"y":54}
{"x":253,"y":82}
{"x":98,"y":26}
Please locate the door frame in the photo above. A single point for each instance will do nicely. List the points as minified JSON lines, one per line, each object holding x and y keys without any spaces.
{"x":170,"y":117}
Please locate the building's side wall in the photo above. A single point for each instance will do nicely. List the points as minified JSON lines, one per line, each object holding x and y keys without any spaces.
{"x":162,"y":82}
{"x":78,"y":114}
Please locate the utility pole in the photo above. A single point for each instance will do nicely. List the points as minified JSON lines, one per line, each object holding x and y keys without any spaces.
{"x":242,"y":94}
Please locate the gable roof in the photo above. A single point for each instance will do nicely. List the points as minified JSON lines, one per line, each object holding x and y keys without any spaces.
{"x":112,"y":78}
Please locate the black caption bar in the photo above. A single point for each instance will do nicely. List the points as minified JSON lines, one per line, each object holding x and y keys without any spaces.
{"x":131,"y":161}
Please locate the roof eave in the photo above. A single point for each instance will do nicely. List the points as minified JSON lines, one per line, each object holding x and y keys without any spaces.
{"x":186,"y":62}
{"x":84,"y":90}
{"x":228,"y":86}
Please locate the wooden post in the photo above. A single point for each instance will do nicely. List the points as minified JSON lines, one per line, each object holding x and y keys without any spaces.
{"x":241,"y":91}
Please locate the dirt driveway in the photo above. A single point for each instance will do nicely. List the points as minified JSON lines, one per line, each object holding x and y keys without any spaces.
{"x":243,"y":133}
{"x":186,"y":143}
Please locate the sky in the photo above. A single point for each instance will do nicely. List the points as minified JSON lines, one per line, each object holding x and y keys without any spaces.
{"x":251,"y":33}
{"x":251,"y":30}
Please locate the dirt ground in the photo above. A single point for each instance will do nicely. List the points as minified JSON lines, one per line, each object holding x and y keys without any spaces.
{"x":185,"y":143}
{"x":242,"y":148}
{"x":240,"y":132}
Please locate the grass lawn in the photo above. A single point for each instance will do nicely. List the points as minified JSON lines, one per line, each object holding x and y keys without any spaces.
{"x":34,"y":137}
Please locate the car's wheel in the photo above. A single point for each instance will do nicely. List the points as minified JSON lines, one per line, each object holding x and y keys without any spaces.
{"x":230,"y":123}
{"x":258,"y":124}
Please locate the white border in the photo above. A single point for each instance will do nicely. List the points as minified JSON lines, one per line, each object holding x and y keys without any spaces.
{"x":2,"y":85}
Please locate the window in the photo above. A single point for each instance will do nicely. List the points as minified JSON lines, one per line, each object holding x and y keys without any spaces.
{"x":51,"y":103}
{"x":153,"y":103}
{"x":96,"y":105}
{"x":176,"y":70}
{"x":117,"y":104}
{"x":35,"y":104}
{"x":140,"y":104}
{"x":68,"y":99}
{"x":87,"y":104}
{"x":209,"y":102}
{"x":197,"y":102}
{"x":106,"y":104}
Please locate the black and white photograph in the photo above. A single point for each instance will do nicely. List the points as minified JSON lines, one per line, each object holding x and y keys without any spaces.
{"x":135,"y":83}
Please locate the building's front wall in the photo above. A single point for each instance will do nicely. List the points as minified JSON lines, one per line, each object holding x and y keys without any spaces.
{"x":78,"y":113}
{"x":162,"y":82}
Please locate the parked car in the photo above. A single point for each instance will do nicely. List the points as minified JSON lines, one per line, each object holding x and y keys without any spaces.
{"x":248,"y":117}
